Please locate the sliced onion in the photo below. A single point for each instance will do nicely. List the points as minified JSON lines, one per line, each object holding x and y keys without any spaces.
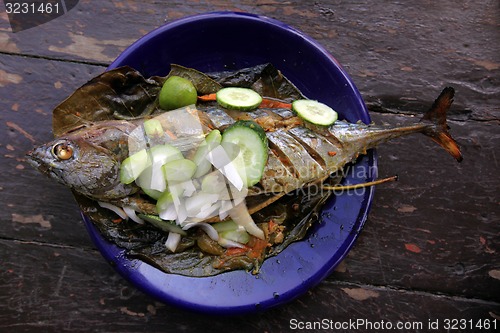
{"x":210,"y":230}
{"x":221,"y":193}
{"x":161,"y":155}
{"x":158,"y":181}
{"x":208,"y":211}
{"x":225,"y":207}
{"x":144,"y":179}
{"x":223,"y":215}
{"x":132,"y":215}
{"x":120,"y":212}
{"x":189,"y":188}
{"x":220,"y":159}
{"x":169,"y":214}
{"x":172,"y":241}
{"x":242,"y":217}
{"x":230,"y":192}
{"x":227,"y":243}
{"x":180,"y":208}
{"x":177,"y":191}
{"x":182,"y":189}
{"x":214,"y":182}
{"x":200,"y":202}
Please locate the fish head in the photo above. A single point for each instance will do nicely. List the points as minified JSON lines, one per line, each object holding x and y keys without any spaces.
{"x":87,"y":161}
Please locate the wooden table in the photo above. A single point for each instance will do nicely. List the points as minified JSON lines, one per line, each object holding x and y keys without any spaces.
{"x":429,"y":252}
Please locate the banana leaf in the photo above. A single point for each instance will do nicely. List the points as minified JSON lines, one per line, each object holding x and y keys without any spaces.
{"x":116,"y":94}
{"x":123,"y":93}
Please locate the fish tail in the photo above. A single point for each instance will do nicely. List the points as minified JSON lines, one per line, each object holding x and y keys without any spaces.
{"x":438,"y":132}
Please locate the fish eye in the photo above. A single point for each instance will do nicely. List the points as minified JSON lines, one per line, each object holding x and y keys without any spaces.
{"x":62,"y":151}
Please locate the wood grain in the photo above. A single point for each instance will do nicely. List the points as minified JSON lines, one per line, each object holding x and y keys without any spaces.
{"x":438,"y":222}
{"x":62,"y":289}
{"x":397,"y":56}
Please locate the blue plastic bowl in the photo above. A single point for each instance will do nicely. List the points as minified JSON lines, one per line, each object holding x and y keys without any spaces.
{"x":228,"y":41}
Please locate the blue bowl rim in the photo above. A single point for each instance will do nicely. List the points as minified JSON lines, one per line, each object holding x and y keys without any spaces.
{"x":128,"y":268}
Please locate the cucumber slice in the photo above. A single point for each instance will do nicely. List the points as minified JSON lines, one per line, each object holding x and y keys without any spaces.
{"x":179,"y":170}
{"x":232,"y":231}
{"x":134,"y":165}
{"x":224,"y":226}
{"x":239,"y":235}
{"x":153,"y":128}
{"x":153,"y":194}
{"x":162,"y":154}
{"x":203,"y":165}
{"x":253,"y":150}
{"x":242,"y":99}
{"x":153,"y":178}
{"x":314,"y":112}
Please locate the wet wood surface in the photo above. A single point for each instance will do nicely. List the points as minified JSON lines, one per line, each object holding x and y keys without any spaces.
{"x":430,"y":248}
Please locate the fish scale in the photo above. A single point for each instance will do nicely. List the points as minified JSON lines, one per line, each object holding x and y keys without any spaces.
{"x":327,"y":151}
{"x":218,"y":117}
{"x":302,"y":164}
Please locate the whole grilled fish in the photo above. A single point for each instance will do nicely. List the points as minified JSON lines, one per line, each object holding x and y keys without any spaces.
{"x":87,"y":159}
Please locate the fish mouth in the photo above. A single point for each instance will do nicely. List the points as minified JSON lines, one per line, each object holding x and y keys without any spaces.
{"x":34,"y":160}
{"x":37,"y":161}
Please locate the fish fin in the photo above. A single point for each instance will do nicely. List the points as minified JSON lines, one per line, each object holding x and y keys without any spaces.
{"x":437,"y":116}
